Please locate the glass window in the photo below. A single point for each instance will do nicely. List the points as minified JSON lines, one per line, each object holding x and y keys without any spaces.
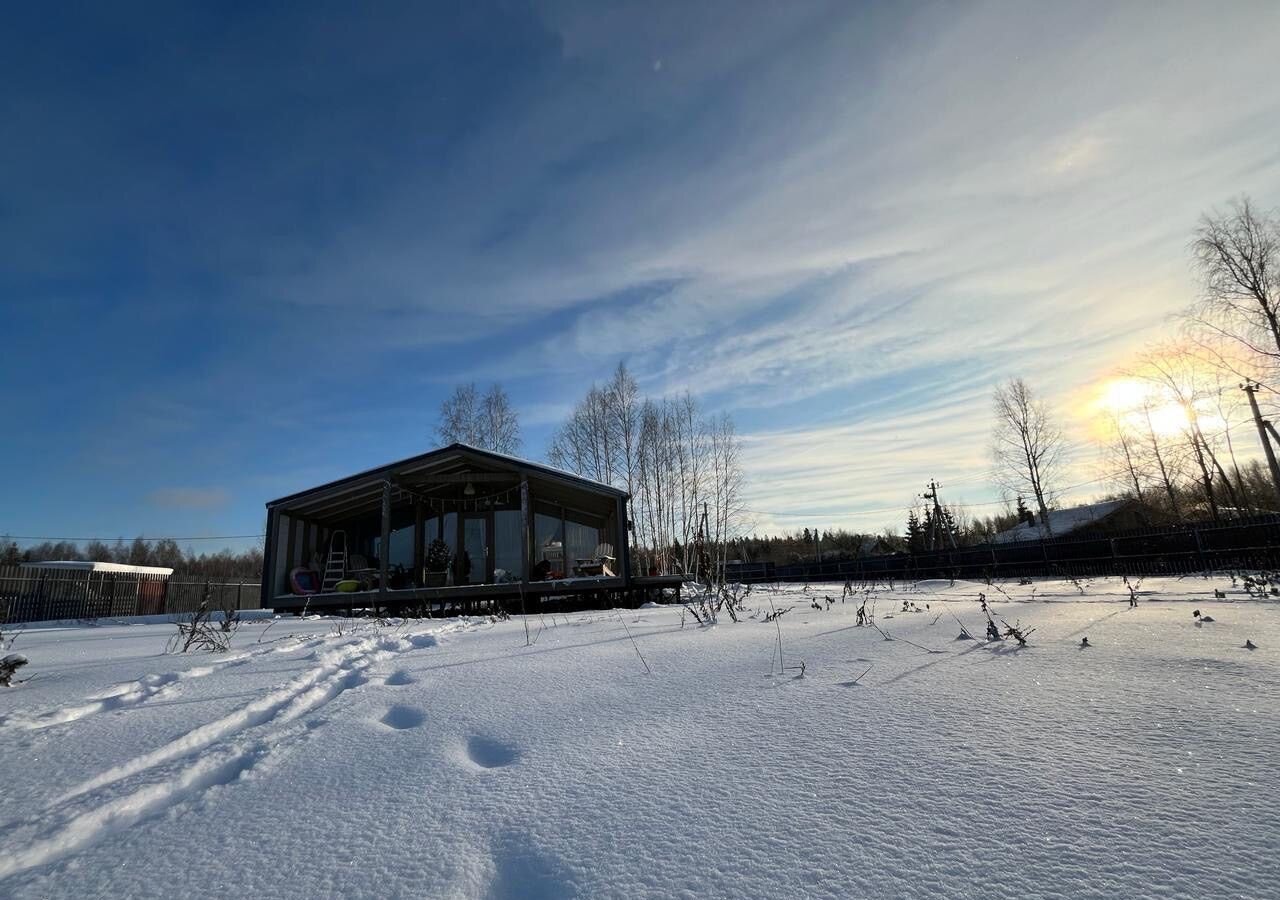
{"x":451,"y":532}
{"x":582,"y":538}
{"x":401,"y":547}
{"x":548,"y":546}
{"x":431,"y":530}
{"x":475,"y":549}
{"x":507,"y":552}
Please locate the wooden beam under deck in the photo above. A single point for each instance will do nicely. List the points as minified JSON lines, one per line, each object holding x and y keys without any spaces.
{"x":464,"y":595}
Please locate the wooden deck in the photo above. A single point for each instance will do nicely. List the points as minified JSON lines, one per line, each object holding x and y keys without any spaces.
{"x":580,"y":593}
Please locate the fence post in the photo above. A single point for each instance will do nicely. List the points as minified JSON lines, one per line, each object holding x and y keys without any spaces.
{"x":39,"y":602}
{"x":1204,"y":565}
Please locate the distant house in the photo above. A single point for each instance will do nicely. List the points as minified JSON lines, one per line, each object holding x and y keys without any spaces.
{"x":80,"y":565}
{"x":1107,"y":515}
{"x":74,"y":588}
{"x":875,"y":545}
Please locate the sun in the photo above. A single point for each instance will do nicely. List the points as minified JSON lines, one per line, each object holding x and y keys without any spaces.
{"x":1121,"y":395}
{"x":1138,"y":405}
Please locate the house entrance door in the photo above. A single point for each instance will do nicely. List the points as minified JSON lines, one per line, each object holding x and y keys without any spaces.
{"x":475,"y":545}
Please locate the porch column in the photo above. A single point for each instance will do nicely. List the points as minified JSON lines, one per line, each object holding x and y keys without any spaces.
{"x":526,"y":550}
{"x":270,"y":585}
{"x":624,"y":536}
{"x":419,"y":522}
{"x":385,"y":546}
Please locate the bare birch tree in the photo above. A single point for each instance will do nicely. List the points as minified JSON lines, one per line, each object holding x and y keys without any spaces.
{"x":499,"y":424}
{"x":1237,"y":256}
{"x":726,"y":487}
{"x":584,"y":443}
{"x":1123,"y":452}
{"x":1027,"y":445}
{"x":1179,"y":374}
{"x":458,"y":415}
{"x":668,"y":456}
{"x":1165,"y":465}
{"x":489,"y":422}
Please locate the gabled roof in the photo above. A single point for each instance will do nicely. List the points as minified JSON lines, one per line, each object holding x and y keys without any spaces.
{"x":1061,"y":522}
{"x":453,"y":457}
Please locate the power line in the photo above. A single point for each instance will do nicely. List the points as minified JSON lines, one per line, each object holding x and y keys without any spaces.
{"x":889,"y":509}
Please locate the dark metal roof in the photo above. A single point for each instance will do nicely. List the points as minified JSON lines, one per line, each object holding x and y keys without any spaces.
{"x":439,"y":461}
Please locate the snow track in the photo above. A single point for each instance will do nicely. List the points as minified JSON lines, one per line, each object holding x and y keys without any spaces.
{"x":135,"y":693}
{"x":215,"y":753}
{"x":507,"y":764}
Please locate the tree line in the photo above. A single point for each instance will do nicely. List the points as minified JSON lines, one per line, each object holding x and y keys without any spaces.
{"x":221,"y":565}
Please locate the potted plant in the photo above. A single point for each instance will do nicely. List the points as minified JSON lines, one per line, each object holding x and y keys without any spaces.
{"x":438,"y":559}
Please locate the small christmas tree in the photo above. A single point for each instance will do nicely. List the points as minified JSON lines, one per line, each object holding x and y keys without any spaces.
{"x":438,"y":556}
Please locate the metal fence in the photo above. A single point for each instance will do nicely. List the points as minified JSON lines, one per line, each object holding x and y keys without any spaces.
{"x":1180,"y":550}
{"x":37,"y":595}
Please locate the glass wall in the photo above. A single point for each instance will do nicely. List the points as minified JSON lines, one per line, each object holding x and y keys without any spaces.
{"x":548,"y":545}
{"x":489,"y":544}
{"x":473,"y":567}
{"x":401,"y":547}
{"x":507,"y":552}
{"x":582,"y":537}
{"x":431,"y":530}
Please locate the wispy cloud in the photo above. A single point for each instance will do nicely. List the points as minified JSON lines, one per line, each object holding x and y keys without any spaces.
{"x":189,"y":498}
{"x":843,"y":222}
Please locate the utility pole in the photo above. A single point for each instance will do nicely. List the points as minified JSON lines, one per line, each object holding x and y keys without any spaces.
{"x":938,"y":521}
{"x":1251,"y":388}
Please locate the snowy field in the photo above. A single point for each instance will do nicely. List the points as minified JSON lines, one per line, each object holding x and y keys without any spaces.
{"x":450,"y":759}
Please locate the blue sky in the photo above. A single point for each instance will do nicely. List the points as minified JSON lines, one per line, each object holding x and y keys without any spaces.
{"x":248,"y":247}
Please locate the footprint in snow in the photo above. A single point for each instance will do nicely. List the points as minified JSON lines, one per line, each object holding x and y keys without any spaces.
{"x":489,"y":753}
{"x":398,"y":678}
{"x":524,"y":869}
{"x":403,"y":718}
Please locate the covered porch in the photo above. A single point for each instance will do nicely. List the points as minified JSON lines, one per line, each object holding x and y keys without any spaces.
{"x":456,"y":529}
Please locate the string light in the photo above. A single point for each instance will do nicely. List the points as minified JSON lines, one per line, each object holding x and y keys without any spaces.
{"x":443,"y":504}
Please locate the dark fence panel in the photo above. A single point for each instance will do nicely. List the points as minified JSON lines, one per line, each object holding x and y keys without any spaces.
{"x":37,"y":595}
{"x":1178,"y":550}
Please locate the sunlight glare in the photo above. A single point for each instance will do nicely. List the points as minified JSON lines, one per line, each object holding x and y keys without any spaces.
{"x":1130,"y":401}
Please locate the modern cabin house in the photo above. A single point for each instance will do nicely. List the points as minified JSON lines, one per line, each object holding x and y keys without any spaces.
{"x":458,"y":528}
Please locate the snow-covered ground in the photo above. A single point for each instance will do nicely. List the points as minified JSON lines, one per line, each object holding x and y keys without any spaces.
{"x":450,"y":759}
